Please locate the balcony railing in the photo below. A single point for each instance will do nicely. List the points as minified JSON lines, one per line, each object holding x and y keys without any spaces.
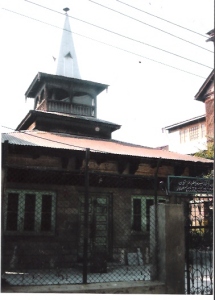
{"x":70,"y":108}
{"x":42,"y":106}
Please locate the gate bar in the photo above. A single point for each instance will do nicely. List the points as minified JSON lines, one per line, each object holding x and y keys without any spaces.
{"x":156,"y":217}
{"x":86,"y":213}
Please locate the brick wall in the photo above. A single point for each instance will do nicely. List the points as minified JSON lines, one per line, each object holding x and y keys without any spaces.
{"x":209,"y":106}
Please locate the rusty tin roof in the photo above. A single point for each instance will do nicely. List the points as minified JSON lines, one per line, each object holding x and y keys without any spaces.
{"x":70,"y":142}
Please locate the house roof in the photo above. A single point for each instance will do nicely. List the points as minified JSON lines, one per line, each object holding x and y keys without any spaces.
{"x":203,"y":89}
{"x":70,"y":142}
{"x":211,"y":34}
{"x":41,"y":78}
{"x":76,"y":118}
{"x":68,"y":123}
{"x":186,"y":122}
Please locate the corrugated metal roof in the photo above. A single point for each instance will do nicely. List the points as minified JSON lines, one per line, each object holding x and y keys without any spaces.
{"x":65,"y":141}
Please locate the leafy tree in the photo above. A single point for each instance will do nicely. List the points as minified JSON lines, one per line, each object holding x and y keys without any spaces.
{"x":209,"y":153}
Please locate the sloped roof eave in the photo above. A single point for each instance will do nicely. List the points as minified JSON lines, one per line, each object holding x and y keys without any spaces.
{"x":32,"y":114}
{"x":185,"y":123}
{"x":208,"y":80}
{"x":68,"y":142}
{"x":38,"y":79}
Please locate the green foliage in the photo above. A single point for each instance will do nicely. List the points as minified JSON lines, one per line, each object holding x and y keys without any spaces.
{"x":209,"y":153}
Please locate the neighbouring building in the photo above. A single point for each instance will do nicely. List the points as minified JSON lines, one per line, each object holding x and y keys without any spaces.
{"x":187,"y":137}
{"x":193,"y":135}
{"x":75,"y":199}
{"x":206,"y":95}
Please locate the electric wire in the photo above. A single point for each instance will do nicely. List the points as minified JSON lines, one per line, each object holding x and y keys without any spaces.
{"x":123,"y":36}
{"x":71,"y":145}
{"x":104,"y":43}
{"x":66,"y":144}
{"x":165,"y":20}
{"x":39,"y":137}
{"x":175,"y":36}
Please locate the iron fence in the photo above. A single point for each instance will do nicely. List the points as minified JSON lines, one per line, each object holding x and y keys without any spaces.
{"x":199,"y":245}
{"x":72,"y":227}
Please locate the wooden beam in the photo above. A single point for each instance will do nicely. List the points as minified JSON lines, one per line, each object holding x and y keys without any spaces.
{"x":121,"y":166}
{"x":64,"y":162}
{"x":133,"y":166}
{"x":179,"y":169}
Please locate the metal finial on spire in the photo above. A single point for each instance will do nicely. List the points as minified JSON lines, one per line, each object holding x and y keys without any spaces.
{"x":66,"y":9}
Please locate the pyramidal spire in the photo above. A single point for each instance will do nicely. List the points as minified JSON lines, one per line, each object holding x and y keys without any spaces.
{"x":67,"y":64}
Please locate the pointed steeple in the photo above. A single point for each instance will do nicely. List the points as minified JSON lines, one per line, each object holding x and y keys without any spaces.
{"x":67,"y":64}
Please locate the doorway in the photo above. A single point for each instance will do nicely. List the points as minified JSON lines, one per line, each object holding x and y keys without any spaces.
{"x":99,"y":225}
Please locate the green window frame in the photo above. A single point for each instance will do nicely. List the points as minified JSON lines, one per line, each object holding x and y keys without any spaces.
{"x":29,"y":212}
{"x":140,"y":212}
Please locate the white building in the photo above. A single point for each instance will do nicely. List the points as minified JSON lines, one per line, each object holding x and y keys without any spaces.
{"x":187,"y":137}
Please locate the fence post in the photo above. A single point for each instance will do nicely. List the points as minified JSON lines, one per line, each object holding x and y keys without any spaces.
{"x":86,"y":216}
{"x":155,"y":257}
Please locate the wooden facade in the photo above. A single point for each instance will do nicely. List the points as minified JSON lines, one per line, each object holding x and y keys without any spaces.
{"x":114,"y":182}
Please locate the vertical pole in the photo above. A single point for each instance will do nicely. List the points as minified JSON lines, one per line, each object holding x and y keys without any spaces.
{"x":3,"y":182}
{"x":156,"y":216}
{"x":95,"y":107}
{"x":86,"y":216}
{"x":187,"y":256}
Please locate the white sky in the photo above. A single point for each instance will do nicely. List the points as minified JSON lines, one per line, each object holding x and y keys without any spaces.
{"x":143,"y":96}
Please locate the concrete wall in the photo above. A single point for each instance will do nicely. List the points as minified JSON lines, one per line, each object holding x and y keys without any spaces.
{"x":137,"y":287}
{"x":171,"y":247}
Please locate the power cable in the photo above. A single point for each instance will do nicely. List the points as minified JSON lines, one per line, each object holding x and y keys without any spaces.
{"x":42,"y":138}
{"x":185,"y":28}
{"x":121,"y":49}
{"x":67,"y":144}
{"x":175,"y":36}
{"x":25,"y":132}
{"x":126,"y":37}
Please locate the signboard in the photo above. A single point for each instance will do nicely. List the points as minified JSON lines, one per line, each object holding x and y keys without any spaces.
{"x":190,"y":185}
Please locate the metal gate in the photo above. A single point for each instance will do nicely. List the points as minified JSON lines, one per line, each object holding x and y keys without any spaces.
{"x":199,"y":245}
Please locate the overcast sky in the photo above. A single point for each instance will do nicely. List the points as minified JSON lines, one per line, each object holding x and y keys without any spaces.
{"x":143,"y":95}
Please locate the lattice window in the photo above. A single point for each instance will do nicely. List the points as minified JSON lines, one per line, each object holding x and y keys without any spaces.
{"x":29,"y":212}
{"x":194,"y":132}
{"x":184,"y":136}
{"x":203,"y":130}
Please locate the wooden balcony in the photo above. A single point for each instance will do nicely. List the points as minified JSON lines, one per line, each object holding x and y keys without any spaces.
{"x":70,"y":108}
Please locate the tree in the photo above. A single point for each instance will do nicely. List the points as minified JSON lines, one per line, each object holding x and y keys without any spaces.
{"x":209,"y":153}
